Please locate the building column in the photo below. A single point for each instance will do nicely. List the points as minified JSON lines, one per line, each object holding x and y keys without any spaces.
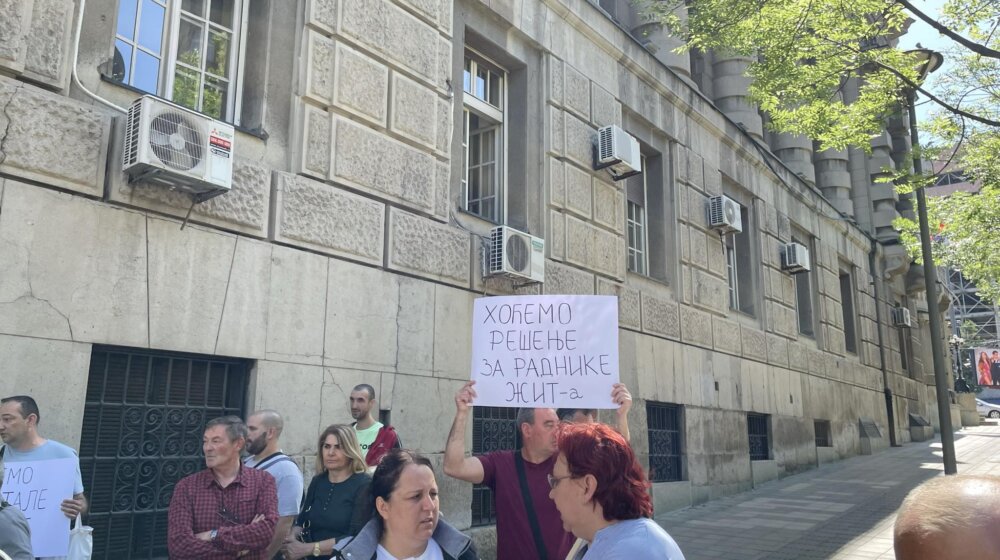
{"x":731,"y":85}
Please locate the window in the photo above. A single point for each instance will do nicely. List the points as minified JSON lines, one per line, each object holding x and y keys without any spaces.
{"x":740,"y":269}
{"x":950,"y":178}
{"x":823,"y":436}
{"x":757,"y":430}
{"x":635,"y":221}
{"x":805,"y":292}
{"x":494,"y":428}
{"x":664,"y":424}
{"x":187,"y":51}
{"x":143,"y":420}
{"x":905,"y":345}
{"x":483,"y":137}
{"x":847,"y":306}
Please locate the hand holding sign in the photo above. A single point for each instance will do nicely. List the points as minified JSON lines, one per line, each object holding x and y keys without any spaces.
{"x":38,"y":489}
{"x":465,"y":396}
{"x":544,"y":351}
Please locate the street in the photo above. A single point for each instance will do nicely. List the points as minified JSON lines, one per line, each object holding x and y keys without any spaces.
{"x":841,"y":511}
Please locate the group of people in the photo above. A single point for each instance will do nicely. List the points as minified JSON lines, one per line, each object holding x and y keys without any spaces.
{"x":988,"y":367}
{"x":574,"y":491}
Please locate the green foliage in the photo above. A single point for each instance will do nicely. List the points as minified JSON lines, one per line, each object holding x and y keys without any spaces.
{"x":803,"y":53}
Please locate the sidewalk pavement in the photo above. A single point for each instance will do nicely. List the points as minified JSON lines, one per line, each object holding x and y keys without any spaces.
{"x":840,"y":511}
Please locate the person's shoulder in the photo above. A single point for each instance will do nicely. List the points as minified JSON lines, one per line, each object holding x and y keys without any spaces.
{"x":285,"y":467}
{"x":61,"y":449}
{"x":361,"y":479}
{"x":192,"y":481}
{"x":255,"y":474}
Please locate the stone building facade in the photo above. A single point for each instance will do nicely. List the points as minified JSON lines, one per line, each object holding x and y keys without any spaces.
{"x":378,"y":143}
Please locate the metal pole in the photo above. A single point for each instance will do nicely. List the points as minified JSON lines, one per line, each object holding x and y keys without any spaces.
{"x":930,"y":283}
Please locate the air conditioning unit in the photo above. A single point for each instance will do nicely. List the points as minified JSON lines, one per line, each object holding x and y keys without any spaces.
{"x":795,"y":258}
{"x":724,"y":214}
{"x":901,"y":317}
{"x":516,"y":254}
{"x":618,"y":152}
{"x":176,"y":147}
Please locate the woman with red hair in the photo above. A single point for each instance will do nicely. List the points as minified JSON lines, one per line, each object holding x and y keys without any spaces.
{"x":602,"y":495}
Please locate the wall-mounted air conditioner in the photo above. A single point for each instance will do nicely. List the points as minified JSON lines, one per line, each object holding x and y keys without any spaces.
{"x":170,"y":145}
{"x":795,"y":258}
{"x":901,"y":317}
{"x":724,"y":214}
{"x":618,"y":152}
{"x":517,"y":254}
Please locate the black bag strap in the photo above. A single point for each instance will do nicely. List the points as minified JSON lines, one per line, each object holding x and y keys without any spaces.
{"x":536,"y":530}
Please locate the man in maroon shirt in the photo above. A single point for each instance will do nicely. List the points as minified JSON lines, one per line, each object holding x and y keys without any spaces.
{"x":226,"y":511}
{"x":498,"y":470}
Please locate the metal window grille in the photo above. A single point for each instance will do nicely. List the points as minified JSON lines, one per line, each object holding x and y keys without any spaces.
{"x":664,"y":424}
{"x":823,"y":435}
{"x":760,"y":445}
{"x":143,"y":423}
{"x":493,"y":429}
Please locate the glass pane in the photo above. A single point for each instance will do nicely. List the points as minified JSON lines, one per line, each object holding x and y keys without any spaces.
{"x":195,"y":7}
{"x":488,"y":181}
{"x":218,"y":53}
{"x":151,"y":26}
{"x":121,"y":66}
{"x":189,"y":43}
{"x":475,"y":157}
{"x":480,"y":87}
{"x":126,"y":18}
{"x":489,"y":150}
{"x":213,"y":103}
{"x":467,"y":76}
{"x":186,"y":86}
{"x":494,"y":92}
{"x":222,"y":12}
{"x":146,"y":72}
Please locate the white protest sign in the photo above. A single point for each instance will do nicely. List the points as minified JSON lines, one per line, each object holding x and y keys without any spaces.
{"x":545,"y":351}
{"x":37,"y":488}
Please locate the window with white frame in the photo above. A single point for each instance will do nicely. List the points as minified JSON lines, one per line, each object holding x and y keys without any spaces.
{"x":805,"y":291}
{"x":905,"y":345}
{"x":847,"y":307}
{"x":484,"y":138}
{"x":188,"y":51}
{"x":635,"y":222}
{"x":740,"y":267}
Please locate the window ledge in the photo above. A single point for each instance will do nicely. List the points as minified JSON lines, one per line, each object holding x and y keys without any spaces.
{"x":257,"y":133}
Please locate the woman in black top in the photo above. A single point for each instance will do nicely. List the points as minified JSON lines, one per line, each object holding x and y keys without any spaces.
{"x":336,"y":504}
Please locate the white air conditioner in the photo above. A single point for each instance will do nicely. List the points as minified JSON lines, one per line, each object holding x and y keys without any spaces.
{"x":618,"y":152}
{"x":724,"y":214}
{"x":795,"y":258}
{"x":901,"y":317}
{"x":169,"y":145}
{"x":513,"y":253}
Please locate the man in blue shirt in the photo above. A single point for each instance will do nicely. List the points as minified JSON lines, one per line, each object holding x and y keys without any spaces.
{"x":19,"y":418}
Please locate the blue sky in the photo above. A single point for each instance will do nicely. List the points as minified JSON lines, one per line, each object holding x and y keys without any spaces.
{"x":928,"y":38}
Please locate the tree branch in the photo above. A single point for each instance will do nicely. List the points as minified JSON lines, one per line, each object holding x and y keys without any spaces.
{"x":936,"y":99}
{"x":982,"y":50}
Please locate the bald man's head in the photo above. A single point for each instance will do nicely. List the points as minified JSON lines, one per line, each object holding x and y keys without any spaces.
{"x":950,"y":518}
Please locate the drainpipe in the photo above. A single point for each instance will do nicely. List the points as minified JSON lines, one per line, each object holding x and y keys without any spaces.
{"x":876,"y":285}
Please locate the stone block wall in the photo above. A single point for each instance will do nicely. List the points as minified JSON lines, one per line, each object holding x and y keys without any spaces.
{"x":338,"y":258}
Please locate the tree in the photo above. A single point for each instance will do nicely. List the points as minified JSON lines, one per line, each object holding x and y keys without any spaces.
{"x":804,"y":54}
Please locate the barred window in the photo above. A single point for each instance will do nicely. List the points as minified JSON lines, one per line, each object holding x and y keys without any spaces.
{"x":494,"y":428}
{"x":758,"y":430}
{"x":664,"y":425}
{"x":143,"y":421}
